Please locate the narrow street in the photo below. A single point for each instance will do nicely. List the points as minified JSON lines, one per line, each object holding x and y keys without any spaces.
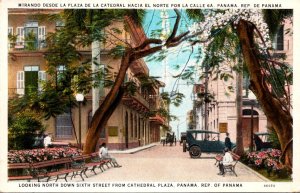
{"x":169,"y":164}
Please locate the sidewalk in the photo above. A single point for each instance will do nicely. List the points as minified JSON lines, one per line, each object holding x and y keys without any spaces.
{"x":133,"y":150}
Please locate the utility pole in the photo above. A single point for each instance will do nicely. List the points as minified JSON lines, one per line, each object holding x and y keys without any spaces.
{"x":206,"y":98}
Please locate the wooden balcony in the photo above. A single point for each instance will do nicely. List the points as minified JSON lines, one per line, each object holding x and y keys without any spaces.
{"x":136,"y":102}
{"x":157,"y":119}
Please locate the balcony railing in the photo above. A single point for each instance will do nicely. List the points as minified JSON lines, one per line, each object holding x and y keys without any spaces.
{"x":27,"y":45}
{"x":141,"y":99}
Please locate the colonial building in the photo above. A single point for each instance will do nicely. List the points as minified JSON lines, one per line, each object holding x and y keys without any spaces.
{"x":128,"y":127}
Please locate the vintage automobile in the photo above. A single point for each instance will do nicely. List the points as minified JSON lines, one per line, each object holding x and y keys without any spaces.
{"x":198,"y":141}
{"x":262,"y":141}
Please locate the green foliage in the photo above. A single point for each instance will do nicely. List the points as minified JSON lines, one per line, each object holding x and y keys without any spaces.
{"x":195,"y":14}
{"x":274,"y":18}
{"x":22,"y":128}
{"x":131,"y":87}
{"x":12,"y":38}
{"x":81,"y":28}
{"x":274,"y":138}
{"x":176,"y":98}
{"x":117,"y":51}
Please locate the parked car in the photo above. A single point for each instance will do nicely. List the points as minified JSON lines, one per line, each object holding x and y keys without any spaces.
{"x":198,"y":141}
{"x":262,"y":141}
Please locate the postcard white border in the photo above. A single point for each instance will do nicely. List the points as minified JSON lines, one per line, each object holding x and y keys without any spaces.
{"x":247,"y":186}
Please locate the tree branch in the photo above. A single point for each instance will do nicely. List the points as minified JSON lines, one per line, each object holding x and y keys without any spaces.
{"x":173,"y":34}
{"x":148,"y":42}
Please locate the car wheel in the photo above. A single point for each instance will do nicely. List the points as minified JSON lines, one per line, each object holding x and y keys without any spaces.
{"x":184,"y":145}
{"x":195,"y":152}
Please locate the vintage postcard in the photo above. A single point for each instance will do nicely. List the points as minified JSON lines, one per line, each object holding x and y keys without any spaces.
{"x":149,"y":96}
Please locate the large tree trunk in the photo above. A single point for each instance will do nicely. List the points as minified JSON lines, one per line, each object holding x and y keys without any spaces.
{"x":280,"y":118}
{"x":110,"y":103}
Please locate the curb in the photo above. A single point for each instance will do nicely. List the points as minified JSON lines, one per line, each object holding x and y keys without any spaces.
{"x":134,"y":150}
{"x":256,"y":173}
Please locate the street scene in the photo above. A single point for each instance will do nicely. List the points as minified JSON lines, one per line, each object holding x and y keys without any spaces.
{"x":165,"y":95}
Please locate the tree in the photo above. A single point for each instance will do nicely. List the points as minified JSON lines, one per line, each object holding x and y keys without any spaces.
{"x":82,"y":28}
{"x":253,"y":37}
{"x":112,"y":99}
{"x":22,"y":129}
{"x":271,"y":104}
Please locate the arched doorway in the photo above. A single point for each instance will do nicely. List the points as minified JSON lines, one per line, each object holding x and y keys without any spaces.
{"x":126,"y":130}
{"x":247,"y":126}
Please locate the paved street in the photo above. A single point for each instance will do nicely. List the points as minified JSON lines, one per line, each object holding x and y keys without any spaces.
{"x":169,"y":164}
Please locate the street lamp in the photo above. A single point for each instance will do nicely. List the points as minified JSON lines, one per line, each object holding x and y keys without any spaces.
{"x":79,"y":98}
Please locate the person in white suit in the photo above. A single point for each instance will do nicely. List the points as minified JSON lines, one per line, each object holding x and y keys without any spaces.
{"x":227,"y":160}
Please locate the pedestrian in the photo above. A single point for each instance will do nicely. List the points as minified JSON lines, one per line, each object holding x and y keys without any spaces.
{"x":103,"y":154}
{"x":228,"y":143}
{"x":226,"y":160}
{"x":47,"y":141}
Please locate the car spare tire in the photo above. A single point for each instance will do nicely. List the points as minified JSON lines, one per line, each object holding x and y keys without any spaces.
{"x":195,"y":152}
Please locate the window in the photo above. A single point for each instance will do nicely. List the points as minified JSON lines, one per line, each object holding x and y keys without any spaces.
{"x":59,"y":24}
{"x":60,"y":72}
{"x":63,"y":126}
{"x":31,"y":78}
{"x":278,"y":42}
{"x":31,"y":37}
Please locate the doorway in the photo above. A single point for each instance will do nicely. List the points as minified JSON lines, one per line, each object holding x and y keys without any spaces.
{"x":246,"y":125}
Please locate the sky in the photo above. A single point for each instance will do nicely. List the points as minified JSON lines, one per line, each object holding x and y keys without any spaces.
{"x":166,"y":68}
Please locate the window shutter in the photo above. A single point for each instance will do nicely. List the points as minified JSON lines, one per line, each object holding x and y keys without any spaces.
{"x":20,"y":82}
{"x":42,"y":78}
{"x":20,"y":33}
{"x":42,"y":36}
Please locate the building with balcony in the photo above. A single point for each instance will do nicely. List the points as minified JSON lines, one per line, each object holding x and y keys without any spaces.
{"x":128,"y":126}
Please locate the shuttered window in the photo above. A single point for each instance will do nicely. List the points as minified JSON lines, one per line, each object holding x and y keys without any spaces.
{"x":20,"y":35}
{"x":42,"y":36}
{"x":20,"y":82}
